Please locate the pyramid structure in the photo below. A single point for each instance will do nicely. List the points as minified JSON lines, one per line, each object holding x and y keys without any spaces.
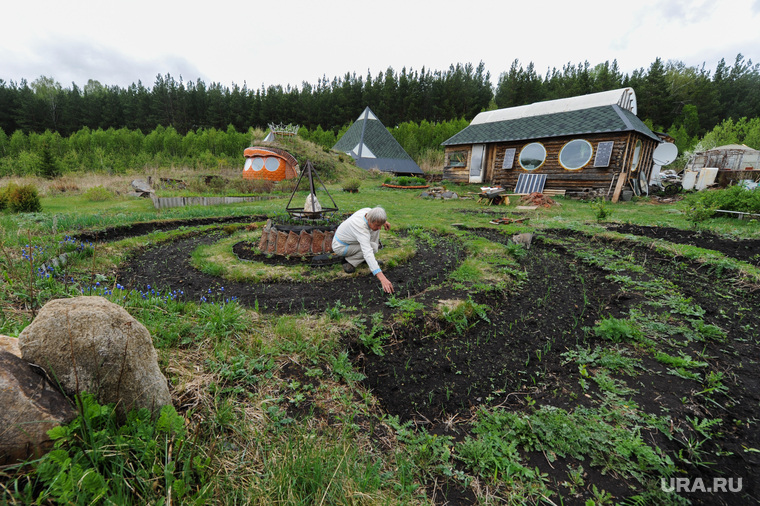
{"x":372,"y":146}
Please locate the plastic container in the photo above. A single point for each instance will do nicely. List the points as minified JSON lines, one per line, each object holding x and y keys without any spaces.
{"x":688,"y":179}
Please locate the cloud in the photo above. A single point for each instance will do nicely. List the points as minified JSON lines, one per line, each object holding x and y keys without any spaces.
{"x":78,"y":60}
{"x":274,"y":43}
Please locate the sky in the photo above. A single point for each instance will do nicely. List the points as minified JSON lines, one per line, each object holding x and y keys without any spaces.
{"x":289,"y":42}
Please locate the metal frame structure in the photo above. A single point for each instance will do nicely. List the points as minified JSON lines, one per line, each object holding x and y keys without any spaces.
{"x":300,"y":212}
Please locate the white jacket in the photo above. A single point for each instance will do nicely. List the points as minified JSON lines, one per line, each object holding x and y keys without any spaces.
{"x":355,"y":230}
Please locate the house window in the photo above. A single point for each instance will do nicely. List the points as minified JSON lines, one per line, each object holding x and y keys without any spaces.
{"x":532,"y":156}
{"x":603,"y":154}
{"x":636,"y":156}
{"x":257,"y":163}
{"x":509,"y":158}
{"x":575,"y":154}
{"x":458,"y":159}
{"x":272,"y":164}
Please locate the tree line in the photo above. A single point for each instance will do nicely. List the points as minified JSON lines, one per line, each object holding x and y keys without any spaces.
{"x":107,"y":128}
{"x":461,"y":91}
{"x":669,"y":94}
{"x":50,"y":154}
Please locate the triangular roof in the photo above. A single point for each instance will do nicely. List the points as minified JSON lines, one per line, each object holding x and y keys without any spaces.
{"x":373,"y":147}
{"x":593,"y":120}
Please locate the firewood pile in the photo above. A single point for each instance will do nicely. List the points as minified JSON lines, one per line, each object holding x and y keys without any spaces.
{"x":537,"y":199}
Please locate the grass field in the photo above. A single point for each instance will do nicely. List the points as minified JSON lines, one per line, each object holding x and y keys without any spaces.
{"x":592,"y":368}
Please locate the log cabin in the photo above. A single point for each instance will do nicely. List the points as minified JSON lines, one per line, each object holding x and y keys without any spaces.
{"x":591,"y":143}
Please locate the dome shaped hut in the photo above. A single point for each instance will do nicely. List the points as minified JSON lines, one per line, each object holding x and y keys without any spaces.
{"x":269,"y":163}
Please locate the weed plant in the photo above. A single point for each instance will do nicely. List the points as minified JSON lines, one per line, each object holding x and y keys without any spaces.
{"x":95,"y":459}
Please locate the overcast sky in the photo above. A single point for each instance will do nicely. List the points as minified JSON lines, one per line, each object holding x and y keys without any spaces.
{"x":292,"y":41}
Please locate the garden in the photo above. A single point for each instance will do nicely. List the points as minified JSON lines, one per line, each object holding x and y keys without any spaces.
{"x":613,"y":359}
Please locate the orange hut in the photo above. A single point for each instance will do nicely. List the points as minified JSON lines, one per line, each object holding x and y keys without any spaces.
{"x":269,"y":163}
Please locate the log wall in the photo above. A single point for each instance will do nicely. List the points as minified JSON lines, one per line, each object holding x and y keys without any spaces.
{"x":558,"y":178}
{"x":457,"y":174}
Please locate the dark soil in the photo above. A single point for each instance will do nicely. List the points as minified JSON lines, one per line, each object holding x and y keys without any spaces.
{"x":437,"y":377}
{"x":167,"y":267}
{"x":747,"y":250}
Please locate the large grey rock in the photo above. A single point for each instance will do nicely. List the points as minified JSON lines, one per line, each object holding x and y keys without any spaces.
{"x":30,"y":408}
{"x":89,"y":344}
{"x":142,"y":188}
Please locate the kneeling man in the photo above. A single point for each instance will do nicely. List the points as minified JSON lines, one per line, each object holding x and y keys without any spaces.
{"x":358,"y":239}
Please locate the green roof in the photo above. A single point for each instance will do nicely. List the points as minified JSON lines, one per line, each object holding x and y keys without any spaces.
{"x":594,"y":120}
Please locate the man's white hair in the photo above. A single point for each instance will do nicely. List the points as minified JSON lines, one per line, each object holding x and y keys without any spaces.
{"x":377,"y":215}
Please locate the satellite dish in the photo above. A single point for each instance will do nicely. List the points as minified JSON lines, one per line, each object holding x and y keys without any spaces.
{"x":664,"y":154}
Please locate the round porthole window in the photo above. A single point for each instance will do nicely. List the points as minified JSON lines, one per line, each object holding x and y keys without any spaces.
{"x":575,"y":154}
{"x":248,"y":164}
{"x":272,"y":164}
{"x":532,"y":156}
{"x":636,"y":156}
{"x":257,"y":163}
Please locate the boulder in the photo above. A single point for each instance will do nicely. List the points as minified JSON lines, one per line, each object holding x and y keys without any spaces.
{"x":88,"y":344}
{"x":30,"y":408}
{"x":142,"y":188}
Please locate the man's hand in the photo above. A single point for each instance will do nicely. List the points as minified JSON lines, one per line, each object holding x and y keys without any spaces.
{"x":387,"y":285}
{"x":386,"y":226}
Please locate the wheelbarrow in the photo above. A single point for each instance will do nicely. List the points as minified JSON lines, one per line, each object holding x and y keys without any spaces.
{"x":493,"y":196}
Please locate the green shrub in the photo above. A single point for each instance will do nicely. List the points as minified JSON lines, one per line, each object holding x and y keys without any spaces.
{"x":49,"y":167}
{"x":248,"y":186}
{"x":406,"y":181}
{"x":733,"y":198}
{"x":699,"y":211}
{"x":3,"y":198}
{"x":601,"y":211}
{"x":288,"y":185}
{"x":98,"y":194}
{"x":96,"y":460}
{"x":351,"y":184}
{"x":23,"y":199}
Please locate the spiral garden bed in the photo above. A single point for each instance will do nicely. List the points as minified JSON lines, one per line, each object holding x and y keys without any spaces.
{"x":529,"y":349}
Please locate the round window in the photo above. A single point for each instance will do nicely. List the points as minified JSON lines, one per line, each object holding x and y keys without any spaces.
{"x":248,"y":164}
{"x":575,"y":154}
{"x":532,"y":156}
{"x":258,"y":163}
{"x":272,"y":164}
{"x":636,"y":156}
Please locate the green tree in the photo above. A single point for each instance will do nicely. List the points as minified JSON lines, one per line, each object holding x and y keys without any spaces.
{"x":49,"y":168}
{"x":653,"y":99}
{"x":49,"y":91}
